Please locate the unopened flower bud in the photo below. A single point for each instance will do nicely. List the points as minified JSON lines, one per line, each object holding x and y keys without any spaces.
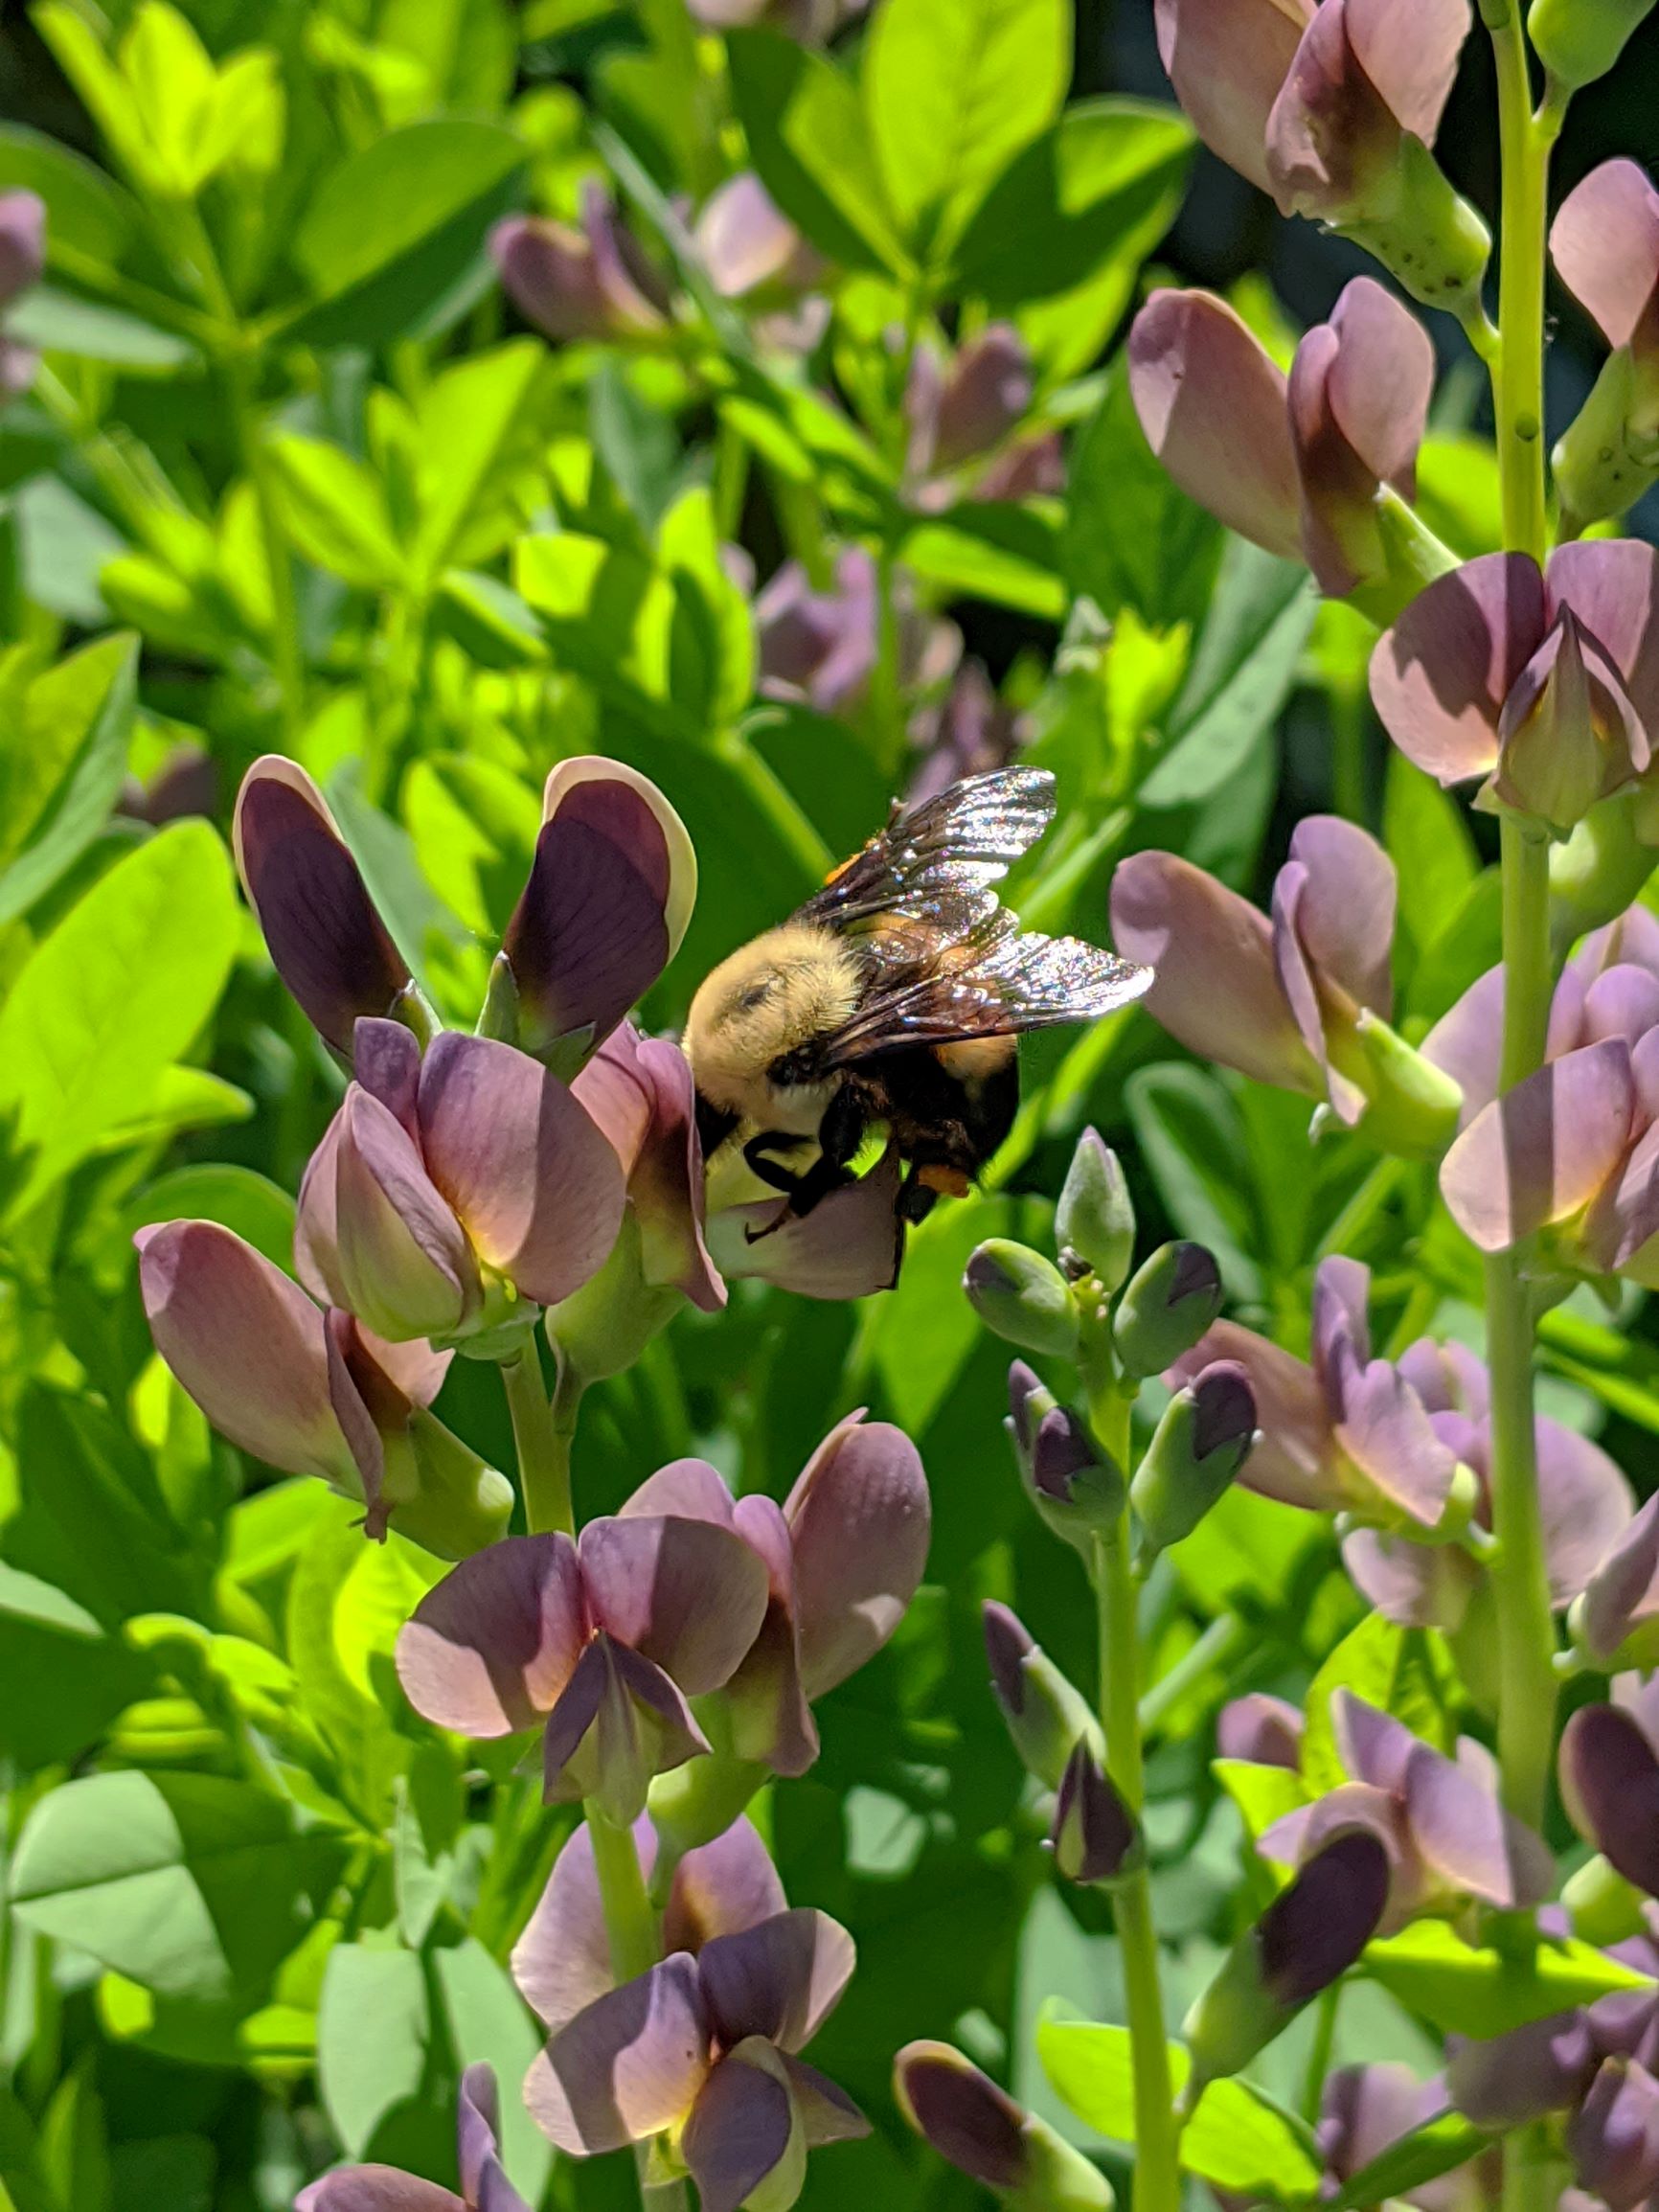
{"x":1578,"y":40}
{"x":1611,"y":1785}
{"x":1166,"y":1306}
{"x":1308,"y":1937}
{"x":1609,"y":455}
{"x":1603,"y":1906}
{"x":1047,"y":1715}
{"x":1566,"y":730}
{"x":979,"y":2129}
{"x":1264,"y":1731}
{"x":1094,"y":1835}
{"x":1023,"y":1297}
{"x":1206,"y":1433}
{"x":1095,"y":1221}
{"x":1425,"y":234}
{"x":1599,"y":871}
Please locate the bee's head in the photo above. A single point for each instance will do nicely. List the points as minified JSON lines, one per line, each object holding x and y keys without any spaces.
{"x":772,"y":996}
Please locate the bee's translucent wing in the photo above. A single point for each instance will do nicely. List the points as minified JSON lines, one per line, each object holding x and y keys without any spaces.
{"x":937,"y":861}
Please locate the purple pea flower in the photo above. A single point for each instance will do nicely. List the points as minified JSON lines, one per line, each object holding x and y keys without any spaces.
{"x":965,"y":412}
{"x":1398,"y":1445}
{"x":1320,"y":105}
{"x":1610,"y":1786}
{"x":585,"y":283}
{"x":1573,"y":1149}
{"x":1613,"y":2139}
{"x":848,"y":1246}
{"x":973,"y":732}
{"x":1262,"y":1730}
{"x":1296,"y":466}
{"x":706,"y":2043}
{"x":1365,"y":2110}
{"x":312,"y":1391}
{"x":452,"y":1186}
{"x":1300,"y":1001}
{"x":602,"y":1639}
{"x":1615,"y":1621}
{"x":22,"y":258}
{"x":974,"y":2124}
{"x":484,"y":2183}
{"x":843,"y":1557}
{"x":820,"y":646}
{"x":754,"y":253}
{"x":1544,"y":682}
{"x":1448,"y":1836}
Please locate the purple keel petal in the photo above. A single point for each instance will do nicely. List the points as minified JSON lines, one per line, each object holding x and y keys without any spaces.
{"x":744,"y":2128}
{"x":1543,"y":1151}
{"x":779,"y":1979}
{"x":1348,"y":907}
{"x":376,"y":2189}
{"x":405,"y":1265}
{"x":1610,"y":1785}
{"x":561,"y":1962}
{"x":1440,"y":677}
{"x":326,"y":940}
{"x":489,"y":1649}
{"x":535,"y":1182}
{"x":859,"y":1520}
{"x":1612,"y":585}
{"x":722,"y":1888}
{"x":628,"y":2064}
{"x":247,"y":1345}
{"x":687,"y":1594}
{"x":1212,"y":406}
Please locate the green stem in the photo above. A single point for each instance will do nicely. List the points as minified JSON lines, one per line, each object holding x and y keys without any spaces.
{"x":1157,"y":2171}
{"x":1224,"y":1636}
{"x":1519,"y":376}
{"x":542,"y":1433}
{"x":1319,"y":2057}
{"x":635,"y":1940}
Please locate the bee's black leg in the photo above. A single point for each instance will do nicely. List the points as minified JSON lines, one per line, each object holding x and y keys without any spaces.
{"x":770,"y":1172}
{"x":917,"y":1200}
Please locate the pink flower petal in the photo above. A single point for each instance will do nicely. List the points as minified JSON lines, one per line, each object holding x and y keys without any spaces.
{"x":1296,"y":1459}
{"x":1612,"y":585}
{"x":665,"y":1189}
{"x":722,"y":1888}
{"x":535,"y":1182}
{"x":771,"y":1721}
{"x":1409,"y":49}
{"x":1331,"y":136}
{"x":1227,"y":60}
{"x":1543,"y":1151}
{"x":1212,"y":405}
{"x":326,"y":940}
{"x":247,"y":1345}
{"x":628,"y":2064}
{"x":386,"y":1062}
{"x":1382,"y":379}
{"x":1388,"y":1436}
{"x":1311,"y":1005}
{"x":489,"y":1649}
{"x":1214,"y":985}
{"x":1586,"y":1506}
{"x":690,"y":1489}
{"x":1416,"y":1585}
{"x":1604,"y":241}
{"x":1465,"y":1835}
{"x":848,"y":1246}
{"x":1440,"y":677}
{"x":1468,"y":1042}
{"x":859,"y":1519}
{"x":317,"y":1222}
{"x":1623,"y":1586}
{"x":779,"y":1979}
{"x":685,"y":1593}
{"x":561,"y":1961}
{"x":376,"y":2189}
{"x":614,"y":1091}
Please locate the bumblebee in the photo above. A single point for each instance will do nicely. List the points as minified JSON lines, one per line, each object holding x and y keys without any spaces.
{"x":896,"y":996}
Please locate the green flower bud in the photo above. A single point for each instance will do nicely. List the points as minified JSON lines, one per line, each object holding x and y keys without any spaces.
{"x":1578,"y":40}
{"x":1023,"y":1297}
{"x":1609,"y":455}
{"x":1094,"y":1837}
{"x":1422,"y":231}
{"x":1412,"y":1105}
{"x":1206,"y":1433}
{"x":1047,"y":1715}
{"x":603,"y":1327}
{"x":1074,"y":1486}
{"x":970,"y":2120}
{"x":1308,"y":1937}
{"x":1170,"y":1302}
{"x":693,"y":1804}
{"x":1094,"y":1221}
{"x":1596,"y":872}
{"x":444,"y":1495}
{"x":499,"y":1015}
{"x":1603,"y":1908}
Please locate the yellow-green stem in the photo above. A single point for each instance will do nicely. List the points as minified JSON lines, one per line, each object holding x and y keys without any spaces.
{"x":542,"y":1432}
{"x":1157,"y":2130}
{"x":635,"y":1938}
{"x":1526,"y":1633}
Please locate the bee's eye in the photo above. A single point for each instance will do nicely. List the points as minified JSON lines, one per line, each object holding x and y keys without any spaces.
{"x":756,"y":995}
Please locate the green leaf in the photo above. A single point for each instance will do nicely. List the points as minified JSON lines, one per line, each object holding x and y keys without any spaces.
{"x":110,"y":999}
{"x":808,"y":142}
{"x":1432,"y":2148}
{"x":1405,"y":1671}
{"x":1001,"y":554}
{"x":921,"y":1334}
{"x":953,"y":89}
{"x":1470,"y":942}
{"x":335,"y":511}
{"x":191,"y":1885}
{"x":1103,"y":183}
{"x":239,"y":1199}
{"x":1190,"y":1133}
{"x":1132,"y":538}
{"x":1243,"y":667}
{"x":1237,"y":2138}
{"x":480,"y":426}
{"x":392,"y":241}
{"x":1468,"y":1991}
{"x":60,"y":777}
{"x":474,"y":827}
{"x":367,"y":2071}
{"x":62,"y":323}
{"x":1428,"y":841}
{"x":90,"y":221}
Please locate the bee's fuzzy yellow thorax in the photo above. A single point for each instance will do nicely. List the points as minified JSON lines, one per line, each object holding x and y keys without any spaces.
{"x":771,"y":996}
